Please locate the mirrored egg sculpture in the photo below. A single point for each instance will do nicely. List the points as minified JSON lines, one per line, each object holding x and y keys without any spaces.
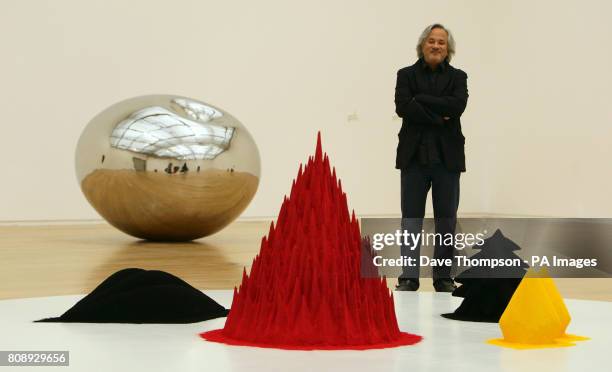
{"x":167,"y":168}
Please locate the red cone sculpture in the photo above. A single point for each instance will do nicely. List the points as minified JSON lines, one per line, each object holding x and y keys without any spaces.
{"x":305,"y":290}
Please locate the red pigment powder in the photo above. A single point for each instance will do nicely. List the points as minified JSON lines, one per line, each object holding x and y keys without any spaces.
{"x":305,"y":291}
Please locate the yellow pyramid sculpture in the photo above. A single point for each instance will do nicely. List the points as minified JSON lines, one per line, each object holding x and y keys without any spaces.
{"x":536,"y":316}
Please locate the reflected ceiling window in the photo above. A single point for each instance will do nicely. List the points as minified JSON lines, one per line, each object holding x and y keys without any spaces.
{"x":159,"y":132}
{"x":196,"y":110}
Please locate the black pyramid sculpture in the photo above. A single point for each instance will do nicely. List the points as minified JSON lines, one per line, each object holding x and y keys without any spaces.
{"x":487,"y":291}
{"x":143,"y":296}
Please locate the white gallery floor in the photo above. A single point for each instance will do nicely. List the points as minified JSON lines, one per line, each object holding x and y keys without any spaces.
{"x":448,"y":345}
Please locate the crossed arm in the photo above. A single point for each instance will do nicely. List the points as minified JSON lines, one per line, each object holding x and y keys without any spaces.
{"x":425,"y":108}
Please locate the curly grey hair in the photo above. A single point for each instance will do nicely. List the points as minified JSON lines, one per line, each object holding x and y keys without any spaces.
{"x":425,"y":34}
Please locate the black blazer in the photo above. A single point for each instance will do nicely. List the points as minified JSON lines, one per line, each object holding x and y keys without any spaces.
{"x":419,"y":108}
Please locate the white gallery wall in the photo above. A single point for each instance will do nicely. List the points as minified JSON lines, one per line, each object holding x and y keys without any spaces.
{"x":538,"y":122}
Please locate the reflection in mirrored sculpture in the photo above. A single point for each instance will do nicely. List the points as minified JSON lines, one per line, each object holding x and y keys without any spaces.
{"x":196,"y":110}
{"x":162,"y":133}
{"x":167,"y":167}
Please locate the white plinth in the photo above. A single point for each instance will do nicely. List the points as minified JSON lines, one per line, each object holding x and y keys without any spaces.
{"x":448,"y":345}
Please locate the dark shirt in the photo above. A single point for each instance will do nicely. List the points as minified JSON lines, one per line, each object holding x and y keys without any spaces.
{"x":428,"y":152}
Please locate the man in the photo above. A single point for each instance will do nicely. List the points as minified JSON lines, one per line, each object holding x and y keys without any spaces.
{"x":430,"y":97}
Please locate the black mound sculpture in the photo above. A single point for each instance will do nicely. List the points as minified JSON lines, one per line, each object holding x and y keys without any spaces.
{"x":143,"y":296}
{"x":487,"y":291}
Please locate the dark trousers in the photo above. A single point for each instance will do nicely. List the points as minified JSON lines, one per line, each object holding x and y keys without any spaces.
{"x":416,"y":182}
